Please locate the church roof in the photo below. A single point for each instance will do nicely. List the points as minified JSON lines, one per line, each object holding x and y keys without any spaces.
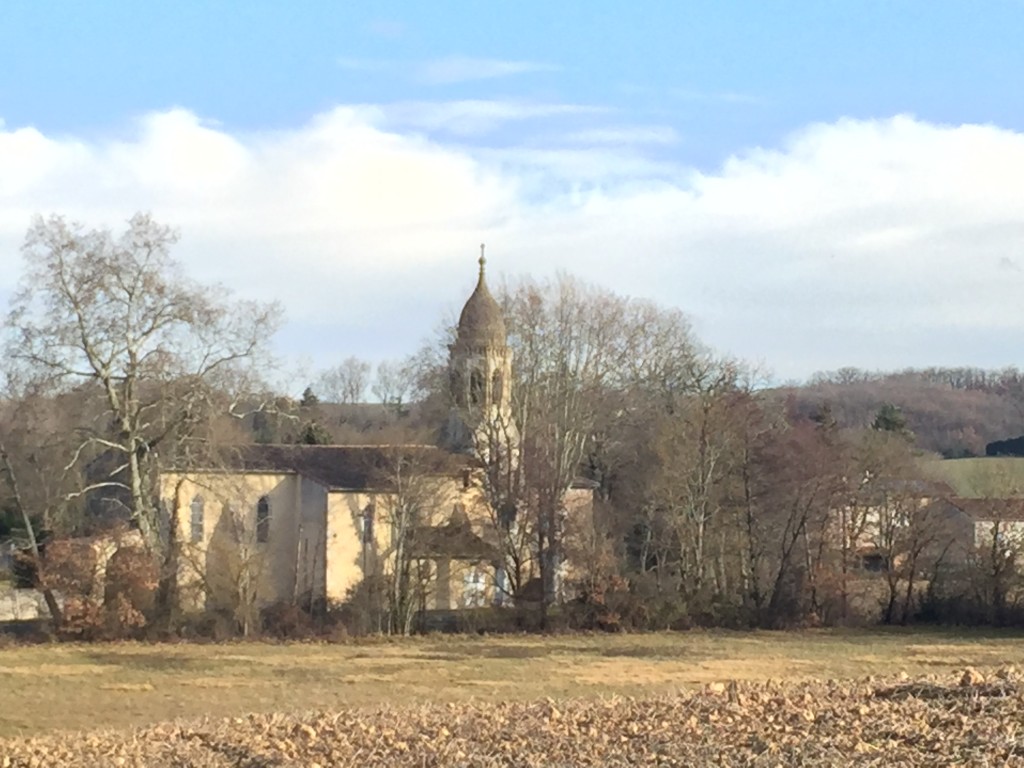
{"x":455,"y":539}
{"x":340,"y":467}
{"x":481,"y":323}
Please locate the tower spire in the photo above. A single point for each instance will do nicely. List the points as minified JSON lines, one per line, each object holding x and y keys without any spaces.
{"x":482,"y":260}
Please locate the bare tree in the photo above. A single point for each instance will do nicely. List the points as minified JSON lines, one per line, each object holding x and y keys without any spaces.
{"x":115,"y":317}
{"x":392,"y":385}
{"x":29,"y":521}
{"x":994,"y":566}
{"x":346,"y":382}
{"x":413,"y":482}
{"x":697,"y":447}
{"x":42,"y":480}
{"x":563,"y":334}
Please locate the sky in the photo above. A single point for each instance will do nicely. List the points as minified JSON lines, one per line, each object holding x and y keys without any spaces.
{"x":815,"y":184}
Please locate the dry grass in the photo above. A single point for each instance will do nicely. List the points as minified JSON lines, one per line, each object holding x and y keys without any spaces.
{"x":961,"y":719}
{"x":76,"y":687}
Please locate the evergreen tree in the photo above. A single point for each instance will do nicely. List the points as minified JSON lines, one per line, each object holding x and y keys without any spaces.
{"x":309,"y":398}
{"x":313,"y":434}
{"x":891,"y":419}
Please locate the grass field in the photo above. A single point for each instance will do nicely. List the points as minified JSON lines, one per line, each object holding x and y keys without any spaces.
{"x":990,"y":476}
{"x":72,"y":687}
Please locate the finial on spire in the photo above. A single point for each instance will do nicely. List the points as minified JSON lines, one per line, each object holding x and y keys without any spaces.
{"x":483,"y":260}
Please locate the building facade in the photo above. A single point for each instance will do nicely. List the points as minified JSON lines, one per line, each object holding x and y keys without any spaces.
{"x":264,"y":524}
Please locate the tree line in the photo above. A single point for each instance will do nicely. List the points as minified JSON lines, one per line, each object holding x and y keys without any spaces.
{"x":953,"y":412}
{"x":719,"y":501}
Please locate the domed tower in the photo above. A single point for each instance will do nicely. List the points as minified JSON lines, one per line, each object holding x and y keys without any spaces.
{"x":480,"y":370}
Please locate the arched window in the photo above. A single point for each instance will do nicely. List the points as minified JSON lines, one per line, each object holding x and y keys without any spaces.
{"x":368,"y":517}
{"x":496,"y":387}
{"x":476,"y":388}
{"x":196,"y":518}
{"x":263,"y":520}
{"x":457,"y":384}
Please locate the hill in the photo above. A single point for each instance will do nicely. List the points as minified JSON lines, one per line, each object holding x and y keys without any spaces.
{"x":954,"y":412}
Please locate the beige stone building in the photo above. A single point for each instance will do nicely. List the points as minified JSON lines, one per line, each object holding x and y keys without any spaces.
{"x":264,"y":524}
{"x":279,"y":523}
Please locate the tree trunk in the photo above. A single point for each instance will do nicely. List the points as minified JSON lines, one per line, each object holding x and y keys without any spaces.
{"x":56,"y":615}
{"x":167,"y":589}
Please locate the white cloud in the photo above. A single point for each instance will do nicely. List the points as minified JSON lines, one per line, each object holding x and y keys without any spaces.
{"x":879,"y":243}
{"x":468,"y":117}
{"x":461,"y":69}
{"x":626,"y":135}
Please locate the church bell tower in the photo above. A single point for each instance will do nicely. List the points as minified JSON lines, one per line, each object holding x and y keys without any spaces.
{"x":480,"y":375}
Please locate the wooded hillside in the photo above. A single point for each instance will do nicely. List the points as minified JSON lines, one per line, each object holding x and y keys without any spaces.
{"x":954,"y":412}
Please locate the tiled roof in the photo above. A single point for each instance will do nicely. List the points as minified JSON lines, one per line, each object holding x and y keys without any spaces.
{"x":455,"y":540}
{"x":909,"y":487}
{"x":341,"y":467}
{"x":983,"y":510}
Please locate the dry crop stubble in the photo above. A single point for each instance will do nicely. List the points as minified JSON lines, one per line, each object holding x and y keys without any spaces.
{"x":969,"y":718}
{"x":87,"y":687}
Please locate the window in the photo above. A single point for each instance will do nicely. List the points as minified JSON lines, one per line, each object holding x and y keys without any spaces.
{"x":197,"y":521}
{"x":507,"y":515}
{"x":500,"y":586}
{"x":263,"y":520}
{"x":474,"y":589}
{"x":496,"y":387}
{"x":476,"y":388}
{"x":368,"y":515}
{"x":874,"y":563}
{"x":457,"y":385}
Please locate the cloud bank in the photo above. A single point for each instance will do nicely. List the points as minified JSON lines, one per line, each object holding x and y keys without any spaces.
{"x":877,"y":243}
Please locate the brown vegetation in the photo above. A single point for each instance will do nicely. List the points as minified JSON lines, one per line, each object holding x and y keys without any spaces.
{"x":965,"y":718}
{"x":119,"y":685}
{"x":951,"y":411}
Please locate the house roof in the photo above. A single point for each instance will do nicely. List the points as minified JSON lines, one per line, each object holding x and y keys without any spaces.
{"x":341,"y":467}
{"x":909,"y":487}
{"x":991,"y":510}
{"x":455,"y":540}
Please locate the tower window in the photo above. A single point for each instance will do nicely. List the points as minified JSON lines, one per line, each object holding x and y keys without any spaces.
{"x":476,"y":388}
{"x":196,"y":510}
{"x":457,"y":387}
{"x":368,"y":515}
{"x":496,"y":387}
{"x":263,"y":520}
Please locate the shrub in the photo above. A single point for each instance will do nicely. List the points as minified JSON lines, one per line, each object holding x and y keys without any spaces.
{"x":104,"y":598}
{"x":286,"y":621}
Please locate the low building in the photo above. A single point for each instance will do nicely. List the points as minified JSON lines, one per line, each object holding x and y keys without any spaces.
{"x":281,"y":523}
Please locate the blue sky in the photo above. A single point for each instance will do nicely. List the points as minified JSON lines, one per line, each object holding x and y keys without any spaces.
{"x":724,"y":75}
{"x":881,"y":137}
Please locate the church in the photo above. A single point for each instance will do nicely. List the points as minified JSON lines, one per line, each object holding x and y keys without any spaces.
{"x":266,"y":524}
